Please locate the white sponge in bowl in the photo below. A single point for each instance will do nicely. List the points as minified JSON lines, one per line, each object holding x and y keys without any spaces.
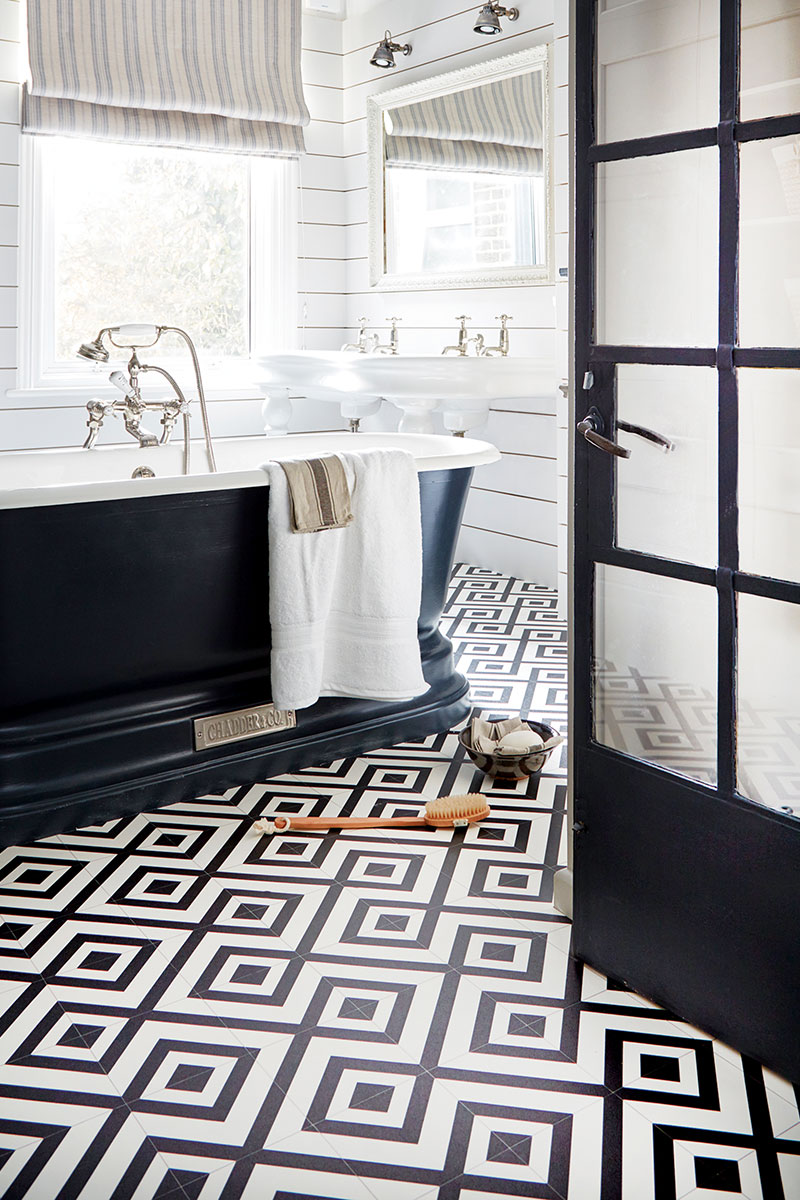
{"x":520,"y":741}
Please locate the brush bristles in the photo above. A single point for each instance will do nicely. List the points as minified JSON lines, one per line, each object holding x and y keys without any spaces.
{"x":445,"y":811}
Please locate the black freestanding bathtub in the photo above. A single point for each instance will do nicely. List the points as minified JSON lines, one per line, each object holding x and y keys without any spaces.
{"x":131,"y":609}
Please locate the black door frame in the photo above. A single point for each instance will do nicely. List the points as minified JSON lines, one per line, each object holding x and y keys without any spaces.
{"x":743,"y":868}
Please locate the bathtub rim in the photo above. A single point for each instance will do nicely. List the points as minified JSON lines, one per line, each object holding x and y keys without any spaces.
{"x":453,"y":454}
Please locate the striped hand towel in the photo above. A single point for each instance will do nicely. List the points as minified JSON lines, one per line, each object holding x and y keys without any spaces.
{"x":318,"y":493}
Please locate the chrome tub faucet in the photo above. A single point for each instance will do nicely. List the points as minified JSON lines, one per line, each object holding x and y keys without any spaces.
{"x":131,"y":406}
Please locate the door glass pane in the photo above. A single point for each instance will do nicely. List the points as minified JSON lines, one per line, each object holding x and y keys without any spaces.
{"x":657,"y":223}
{"x":769,"y":470}
{"x":657,"y":67}
{"x":769,"y":252}
{"x":770,"y":58}
{"x":667,"y":501}
{"x":769,"y":702}
{"x":655,"y":670}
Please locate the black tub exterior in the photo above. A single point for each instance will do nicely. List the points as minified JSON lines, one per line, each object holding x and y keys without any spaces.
{"x":121,"y":621}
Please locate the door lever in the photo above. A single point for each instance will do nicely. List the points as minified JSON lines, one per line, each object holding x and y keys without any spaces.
{"x":649,"y":435}
{"x":591,"y":427}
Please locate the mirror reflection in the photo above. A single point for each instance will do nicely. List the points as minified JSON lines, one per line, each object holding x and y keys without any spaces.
{"x":461,"y":174}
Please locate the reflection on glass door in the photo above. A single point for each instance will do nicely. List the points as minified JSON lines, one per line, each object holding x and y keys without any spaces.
{"x":769,"y":702}
{"x":658,"y":290}
{"x":666,"y":497}
{"x":769,"y":471}
{"x":655,"y":671}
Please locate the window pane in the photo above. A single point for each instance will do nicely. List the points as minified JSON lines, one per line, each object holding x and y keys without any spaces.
{"x":655,"y":672}
{"x":657,"y":67}
{"x":769,"y":703}
{"x":657,"y":236}
{"x":667,"y":502}
{"x":445,"y":221}
{"x":149,"y":235}
{"x":770,"y":58}
{"x":769,"y":252}
{"x":769,"y":468}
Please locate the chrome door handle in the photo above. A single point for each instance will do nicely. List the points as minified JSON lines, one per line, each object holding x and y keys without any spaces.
{"x":649,"y":435}
{"x":591,"y":427}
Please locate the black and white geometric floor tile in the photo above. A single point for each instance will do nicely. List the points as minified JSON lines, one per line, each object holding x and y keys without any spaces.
{"x":191,"y":1010}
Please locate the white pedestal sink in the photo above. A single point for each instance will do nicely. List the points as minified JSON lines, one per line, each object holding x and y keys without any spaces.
{"x":461,"y":388}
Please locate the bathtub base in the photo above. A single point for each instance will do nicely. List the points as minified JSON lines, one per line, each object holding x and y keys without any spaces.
{"x":130,"y":619}
{"x":251,"y":763}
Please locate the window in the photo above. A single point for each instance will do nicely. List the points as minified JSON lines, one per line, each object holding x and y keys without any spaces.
{"x":454,"y":220}
{"x":116,"y":233}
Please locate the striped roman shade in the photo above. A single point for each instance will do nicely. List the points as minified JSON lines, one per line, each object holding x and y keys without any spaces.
{"x":211,"y":74}
{"x":496,"y":127}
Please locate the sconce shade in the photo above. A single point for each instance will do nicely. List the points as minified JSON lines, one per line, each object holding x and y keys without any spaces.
{"x":383,"y":56}
{"x":488,"y":21}
{"x":489,"y":17}
{"x":386,"y":50}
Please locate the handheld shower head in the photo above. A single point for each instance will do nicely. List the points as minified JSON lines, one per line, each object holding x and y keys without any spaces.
{"x":95,"y":351}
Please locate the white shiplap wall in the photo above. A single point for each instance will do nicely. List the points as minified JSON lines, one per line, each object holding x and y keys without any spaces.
{"x":512,"y":520}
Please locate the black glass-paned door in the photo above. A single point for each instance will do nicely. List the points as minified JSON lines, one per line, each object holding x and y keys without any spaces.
{"x":686,"y":744}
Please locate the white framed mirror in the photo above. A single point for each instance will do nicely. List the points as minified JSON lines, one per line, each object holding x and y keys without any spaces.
{"x":460,"y":177}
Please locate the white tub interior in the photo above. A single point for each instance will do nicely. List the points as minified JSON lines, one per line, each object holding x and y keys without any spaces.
{"x":75,"y":476}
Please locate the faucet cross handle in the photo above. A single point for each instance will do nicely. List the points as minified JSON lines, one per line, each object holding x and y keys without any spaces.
{"x":504,"y":318}
{"x":362,"y":324}
{"x":96,"y":411}
{"x":463,"y":319}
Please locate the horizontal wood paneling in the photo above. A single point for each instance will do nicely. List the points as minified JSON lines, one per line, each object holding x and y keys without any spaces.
{"x":520,"y":492}
{"x":511,"y":555}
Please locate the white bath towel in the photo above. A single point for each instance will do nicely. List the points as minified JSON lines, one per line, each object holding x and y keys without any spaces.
{"x":344,"y":603}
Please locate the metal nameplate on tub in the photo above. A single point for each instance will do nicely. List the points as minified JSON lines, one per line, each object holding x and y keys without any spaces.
{"x":236,"y":726}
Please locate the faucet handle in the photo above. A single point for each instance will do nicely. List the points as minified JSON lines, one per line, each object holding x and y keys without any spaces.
{"x":362,"y":323}
{"x":394,"y":320}
{"x":463,"y":317}
{"x":504,"y":317}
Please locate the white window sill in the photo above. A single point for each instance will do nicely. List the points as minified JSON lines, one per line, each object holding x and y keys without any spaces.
{"x":77,"y":395}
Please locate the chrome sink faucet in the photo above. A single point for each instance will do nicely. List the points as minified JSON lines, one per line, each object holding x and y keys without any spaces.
{"x":390,"y":347}
{"x":366,"y":341}
{"x":131,"y":407}
{"x":463,"y":340}
{"x":501,"y":350}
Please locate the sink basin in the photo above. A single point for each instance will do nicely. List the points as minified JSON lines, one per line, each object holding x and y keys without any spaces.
{"x":461,"y":388}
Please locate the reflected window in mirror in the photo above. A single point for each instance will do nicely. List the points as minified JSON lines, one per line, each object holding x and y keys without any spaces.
{"x":446,"y":221}
{"x":460,"y":177}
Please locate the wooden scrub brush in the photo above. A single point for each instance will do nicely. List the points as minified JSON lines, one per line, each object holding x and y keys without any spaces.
{"x":450,"y":812}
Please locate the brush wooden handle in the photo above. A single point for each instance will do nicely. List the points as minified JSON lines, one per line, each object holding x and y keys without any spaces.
{"x":312,"y":823}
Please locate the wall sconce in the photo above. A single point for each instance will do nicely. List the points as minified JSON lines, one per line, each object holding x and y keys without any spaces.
{"x":489,"y":17}
{"x":386,"y":50}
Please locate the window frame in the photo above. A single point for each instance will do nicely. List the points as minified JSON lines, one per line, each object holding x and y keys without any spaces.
{"x":272,"y":276}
